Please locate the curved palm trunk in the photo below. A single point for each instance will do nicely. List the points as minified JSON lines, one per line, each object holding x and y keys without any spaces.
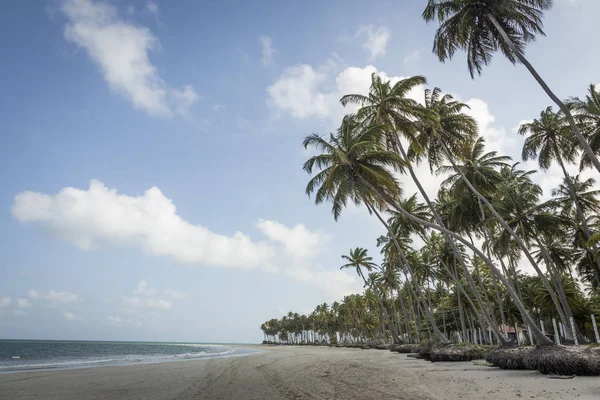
{"x":514,"y":235}
{"x":404,"y":313}
{"x":541,"y":339}
{"x":555,"y":273}
{"x":438,"y":219}
{"x":383,"y":310}
{"x":427,"y":310}
{"x":481,"y":315}
{"x":488,"y":237}
{"x":579,"y":210}
{"x":584,"y":143}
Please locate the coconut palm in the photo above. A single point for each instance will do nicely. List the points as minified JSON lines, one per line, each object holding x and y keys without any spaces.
{"x":548,"y":140}
{"x":587,"y":115}
{"x":358,"y":259}
{"x":482,"y":27}
{"x":404,"y":116}
{"x":476,"y":172}
{"x":354,"y":167}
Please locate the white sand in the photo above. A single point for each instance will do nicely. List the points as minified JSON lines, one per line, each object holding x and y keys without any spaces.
{"x":297,"y":373}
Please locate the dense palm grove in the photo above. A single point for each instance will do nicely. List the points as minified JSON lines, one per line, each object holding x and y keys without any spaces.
{"x":452,"y":265}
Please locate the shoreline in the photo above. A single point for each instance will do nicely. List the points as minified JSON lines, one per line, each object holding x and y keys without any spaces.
{"x":296,"y":372}
{"x":244,"y":350}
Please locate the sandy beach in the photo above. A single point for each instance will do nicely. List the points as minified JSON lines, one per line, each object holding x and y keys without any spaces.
{"x":296,"y":373}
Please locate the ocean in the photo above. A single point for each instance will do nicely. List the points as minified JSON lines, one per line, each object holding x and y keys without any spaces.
{"x":32,"y":355}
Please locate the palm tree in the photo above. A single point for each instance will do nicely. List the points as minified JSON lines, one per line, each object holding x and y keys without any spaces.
{"x":389,"y":105}
{"x":587,"y":114}
{"x":354,"y":167}
{"x":548,"y":139}
{"x":481,"y":27}
{"x":479,"y":169}
{"x":519,"y":203}
{"x":358,"y":259}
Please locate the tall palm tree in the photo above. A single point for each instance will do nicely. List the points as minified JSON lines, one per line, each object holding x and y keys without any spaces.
{"x":478,"y":173}
{"x":390,"y":105}
{"x":482,"y":27}
{"x":358,"y":259}
{"x":587,"y":114}
{"x":354,"y":167}
{"x":519,"y":203}
{"x":549,"y":141}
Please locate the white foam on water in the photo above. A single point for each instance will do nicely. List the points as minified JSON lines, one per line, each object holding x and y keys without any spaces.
{"x":130,"y":359}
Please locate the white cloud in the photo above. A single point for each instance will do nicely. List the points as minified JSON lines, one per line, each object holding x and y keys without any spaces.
{"x":336,"y":284}
{"x":152,"y":7}
{"x":22,"y":303}
{"x":101,"y":215}
{"x":412,"y":58}
{"x":69,"y":316}
{"x":19,"y":313}
{"x":267,"y":50}
{"x":175,"y":294}
{"x":142,"y":289}
{"x":298,"y":241}
{"x":54,"y":296}
{"x":137,"y":302}
{"x":304,"y":92}
{"x":4,"y":302}
{"x":496,"y":138}
{"x":297,"y":92}
{"x":183,"y":99}
{"x":114,"y":320}
{"x":121,"y":49}
{"x":375,"y":40}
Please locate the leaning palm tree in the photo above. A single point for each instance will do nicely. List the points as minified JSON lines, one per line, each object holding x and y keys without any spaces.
{"x":358,"y":259}
{"x":587,"y":114}
{"x":354,"y":167}
{"x":549,"y":141}
{"x":482,"y":27}
{"x":389,"y":105}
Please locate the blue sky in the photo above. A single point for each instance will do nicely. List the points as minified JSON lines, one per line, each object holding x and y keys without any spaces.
{"x":152,"y":185}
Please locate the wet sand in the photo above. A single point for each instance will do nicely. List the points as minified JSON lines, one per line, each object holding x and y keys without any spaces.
{"x":296,"y":373}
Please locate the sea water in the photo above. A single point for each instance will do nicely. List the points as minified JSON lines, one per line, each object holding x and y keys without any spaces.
{"x":31,"y":355}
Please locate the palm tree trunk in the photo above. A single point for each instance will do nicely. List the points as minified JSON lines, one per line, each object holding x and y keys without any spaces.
{"x":383,"y":310}
{"x":584,"y":143}
{"x":436,"y":330}
{"x":438,"y":219}
{"x":482,"y":314}
{"x":461,"y":313}
{"x":541,"y":339}
{"x":505,"y":225}
{"x":443,"y":310}
{"x":579,"y":210}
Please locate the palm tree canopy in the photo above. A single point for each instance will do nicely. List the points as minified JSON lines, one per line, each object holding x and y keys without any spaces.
{"x":549,"y":139}
{"x":350,"y":161}
{"x":358,"y":258}
{"x":587,"y":114}
{"x":447,"y":123}
{"x":388,"y":104}
{"x":466,"y":25}
{"x":587,"y":197}
{"x":480,"y":168}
